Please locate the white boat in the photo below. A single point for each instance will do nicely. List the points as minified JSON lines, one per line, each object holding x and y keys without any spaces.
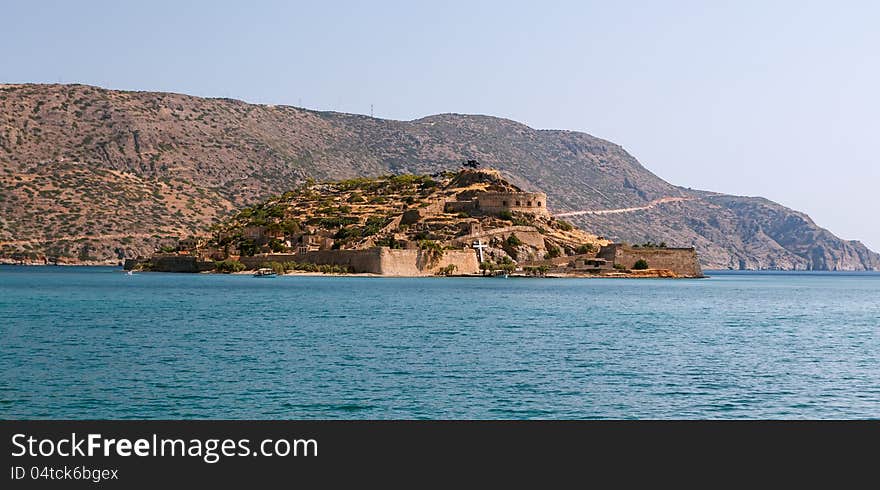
{"x":265,"y":272}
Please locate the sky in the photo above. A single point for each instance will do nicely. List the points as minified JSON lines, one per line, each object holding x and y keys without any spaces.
{"x":762,"y":98}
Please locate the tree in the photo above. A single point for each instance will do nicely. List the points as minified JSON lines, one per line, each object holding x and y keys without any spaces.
{"x":227,"y":266}
{"x":247,"y":247}
{"x":276,"y":246}
{"x":640,"y":265}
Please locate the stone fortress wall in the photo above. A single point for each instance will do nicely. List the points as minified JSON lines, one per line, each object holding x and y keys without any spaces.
{"x":379,"y":260}
{"x":682,"y":261}
{"x":524,"y":202}
{"x":496,"y":202}
{"x":172,"y":263}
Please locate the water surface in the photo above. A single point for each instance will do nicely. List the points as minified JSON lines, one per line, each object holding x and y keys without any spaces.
{"x":96,"y":343}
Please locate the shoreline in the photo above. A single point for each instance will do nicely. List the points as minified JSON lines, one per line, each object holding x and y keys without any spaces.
{"x":549,"y":276}
{"x":105,"y":263}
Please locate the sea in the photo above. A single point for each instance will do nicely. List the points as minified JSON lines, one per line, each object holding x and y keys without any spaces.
{"x":96,"y":343}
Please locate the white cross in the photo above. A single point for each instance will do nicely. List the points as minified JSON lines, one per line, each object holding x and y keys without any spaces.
{"x":479,"y":246}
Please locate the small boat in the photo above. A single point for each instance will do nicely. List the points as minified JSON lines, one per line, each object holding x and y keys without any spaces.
{"x":130,"y":273}
{"x":265,"y":272}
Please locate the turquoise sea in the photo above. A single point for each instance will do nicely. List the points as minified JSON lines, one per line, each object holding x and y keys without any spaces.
{"x":91,"y":342}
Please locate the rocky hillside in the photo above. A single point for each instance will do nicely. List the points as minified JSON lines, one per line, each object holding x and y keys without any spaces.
{"x":399,"y":212}
{"x":89,"y":173}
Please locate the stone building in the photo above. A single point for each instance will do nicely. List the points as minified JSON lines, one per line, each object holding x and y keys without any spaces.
{"x":192,"y":243}
{"x":522,"y":202}
{"x":498,"y":202}
{"x":682,"y":261}
{"x":312,"y":243}
{"x":262,"y":234}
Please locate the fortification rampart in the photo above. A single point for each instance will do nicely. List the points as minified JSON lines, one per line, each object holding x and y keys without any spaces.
{"x":523,"y":202}
{"x":365,"y":261}
{"x":562,"y":261}
{"x":682,"y":261}
{"x":171,"y":263}
{"x":379,"y":260}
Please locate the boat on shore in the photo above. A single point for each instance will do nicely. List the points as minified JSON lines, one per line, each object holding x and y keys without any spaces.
{"x":265,"y":272}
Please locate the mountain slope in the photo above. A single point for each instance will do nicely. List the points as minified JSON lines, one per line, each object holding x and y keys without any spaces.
{"x":93,"y":173}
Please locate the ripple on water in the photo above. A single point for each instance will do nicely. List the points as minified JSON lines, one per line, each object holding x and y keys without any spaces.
{"x":84,"y":343}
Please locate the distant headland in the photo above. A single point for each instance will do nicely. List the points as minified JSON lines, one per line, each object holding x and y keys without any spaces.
{"x":470,"y":222}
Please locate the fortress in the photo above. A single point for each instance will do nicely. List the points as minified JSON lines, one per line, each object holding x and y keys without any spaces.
{"x":498,"y":202}
{"x":465,"y":223}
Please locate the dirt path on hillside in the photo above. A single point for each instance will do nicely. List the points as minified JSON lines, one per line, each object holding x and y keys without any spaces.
{"x":650,"y":205}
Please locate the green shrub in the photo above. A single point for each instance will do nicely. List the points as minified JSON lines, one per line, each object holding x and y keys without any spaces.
{"x":375,"y":224}
{"x":307,"y":267}
{"x":506,"y":215}
{"x":514,"y":240}
{"x":433,"y":250}
{"x":227,"y":266}
{"x":275,"y":245}
{"x":346,"y":233}
{"x":586,"y":248}
{"x":536,"y":271}
{"x":564,"y":225}
{"x":524,"y":220}
{"x":247,"y":247}
{"x":388,"y":241}
{"x":552,"y":252}
{"x":640,"y":265}
{"x":447,"y":271}
{"x":337,"y":222}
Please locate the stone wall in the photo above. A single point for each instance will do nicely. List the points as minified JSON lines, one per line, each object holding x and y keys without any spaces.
{"x":561,"y":261}
{"x":379,"y":260}
{"x":682,"y":261}
{"x":172,"y":263}
{"x":524,"y":202}
{"x":366,"y":261}
{"x":526,"y":234}
{"x":434,"y":207}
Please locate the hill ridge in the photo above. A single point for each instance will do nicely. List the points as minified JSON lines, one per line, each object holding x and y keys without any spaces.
{"x":80,"y":160}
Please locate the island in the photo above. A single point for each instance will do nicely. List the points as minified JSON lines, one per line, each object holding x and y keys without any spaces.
{"x":472,"y":222}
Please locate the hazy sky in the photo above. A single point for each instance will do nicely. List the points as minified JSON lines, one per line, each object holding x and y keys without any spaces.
{"x":778,"y":99}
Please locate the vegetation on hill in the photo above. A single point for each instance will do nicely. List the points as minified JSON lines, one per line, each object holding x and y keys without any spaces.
{"x":395,"y":211}
{"x":100,"y":174}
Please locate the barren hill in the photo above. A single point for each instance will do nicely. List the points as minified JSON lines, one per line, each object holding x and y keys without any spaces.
{"x":93,"y":173}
